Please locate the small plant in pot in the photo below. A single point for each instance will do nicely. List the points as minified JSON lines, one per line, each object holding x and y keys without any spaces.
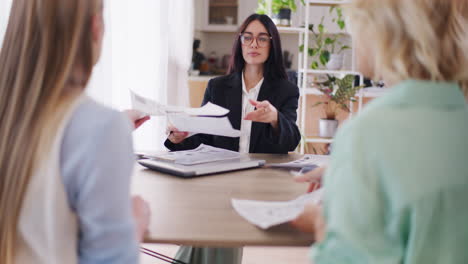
{"x":337,"y":93}
{"x":281,"y":10}
{"x":335,"y":61}
{"x":327,"y":50}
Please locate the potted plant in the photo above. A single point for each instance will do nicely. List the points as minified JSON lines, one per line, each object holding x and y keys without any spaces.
{"x":281,"y":10}
{"x":337,"y":93}
{"x":328,"y":48}
{"x":336,"y":56}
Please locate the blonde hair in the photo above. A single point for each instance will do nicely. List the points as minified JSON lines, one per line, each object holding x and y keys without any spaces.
{"x":418,"y":39}
{"x":47,"y":50}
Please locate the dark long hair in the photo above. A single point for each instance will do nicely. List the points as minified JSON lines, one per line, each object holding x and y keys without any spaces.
{"x":274,"y":66}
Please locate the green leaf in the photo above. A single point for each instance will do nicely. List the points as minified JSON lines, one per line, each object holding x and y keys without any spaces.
{"x":317,"y":104}
{"x":314,"y":65}
{"x":345,"y":47}
{"x":313,"y":52}
{"x":311,"y":27}
{"x":324,"y":57}
{"x":261,"y":8}
{"x":341,"y":24}
{"x":292,"y":5}
{"x":339,"y":11}
{"x":345,"y":107}
{"x":301,"y":48}
{"x":329,"y":41}
{"x":321,"y":28}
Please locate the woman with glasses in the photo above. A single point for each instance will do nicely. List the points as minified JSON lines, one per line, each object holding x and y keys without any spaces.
{"x":262,"y":103}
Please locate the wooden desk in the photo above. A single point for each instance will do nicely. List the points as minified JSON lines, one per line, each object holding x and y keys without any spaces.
{"x":198,"y":211}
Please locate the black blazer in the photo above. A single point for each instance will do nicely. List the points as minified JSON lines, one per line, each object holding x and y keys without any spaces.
{"x":226,"y":91}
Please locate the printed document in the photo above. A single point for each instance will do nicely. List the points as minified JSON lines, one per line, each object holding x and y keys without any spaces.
{"x":306,"y":161}
{"x":219,"y":126}
{"x":202,"y":154}
{"x":154,"y":108}
{"x":266,"y":214}
{"x":210,"y":119}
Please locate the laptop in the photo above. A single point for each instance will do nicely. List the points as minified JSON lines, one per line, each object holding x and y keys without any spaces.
{"x":188,"y":171}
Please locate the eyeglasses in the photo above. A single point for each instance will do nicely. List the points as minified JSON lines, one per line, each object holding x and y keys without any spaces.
{"x":263,"y":40}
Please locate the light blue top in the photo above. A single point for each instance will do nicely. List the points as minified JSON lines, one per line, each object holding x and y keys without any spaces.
{"x":397,"y":185}
{"x":96,"y":165}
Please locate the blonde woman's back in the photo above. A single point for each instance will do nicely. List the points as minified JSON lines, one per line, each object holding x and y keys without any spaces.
{"x":84,"y":193}
{"x":47,"y":227}
{"x":396,"y":187}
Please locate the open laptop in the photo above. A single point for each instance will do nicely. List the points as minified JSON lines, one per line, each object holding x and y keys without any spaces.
{"x":188,"y":171}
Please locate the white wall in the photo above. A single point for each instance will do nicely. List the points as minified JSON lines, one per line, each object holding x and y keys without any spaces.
{"x":4,"y":14}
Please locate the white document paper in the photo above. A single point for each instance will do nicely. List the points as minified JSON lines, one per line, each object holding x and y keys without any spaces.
{"x":307,"y":160}
{"x":202,"y":154}
{"x":219,"y":126}
{"x":208,"y":109}
{"x":154,"y":108}
{"x":146,"y":105}
{"x":266,"y":214}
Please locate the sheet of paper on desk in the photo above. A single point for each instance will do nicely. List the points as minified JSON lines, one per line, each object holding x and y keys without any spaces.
{"x":154,"y":108}
{"x":202,"y":154}
{"x":219,"y":126}
{"x":307,"y":160}
{"x":267,"y":214}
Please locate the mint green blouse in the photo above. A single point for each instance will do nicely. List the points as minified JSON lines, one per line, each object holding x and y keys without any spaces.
{"x":397,"y":185}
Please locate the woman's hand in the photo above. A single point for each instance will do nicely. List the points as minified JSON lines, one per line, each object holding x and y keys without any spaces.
{"x":141,"y":214}
{"x":314,"y":177}
{"x":136,"y":117}
{"x":311,"y":221}
{"x":174,"y":135}
{"x":265,"y":113}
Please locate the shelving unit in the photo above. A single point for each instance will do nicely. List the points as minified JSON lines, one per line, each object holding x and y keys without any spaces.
{"x":304,"y":36}
{"x":304,"y":71}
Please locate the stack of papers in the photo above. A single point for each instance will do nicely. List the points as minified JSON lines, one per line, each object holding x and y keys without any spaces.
{"x":267,"y":214}
{"x":209,"y":119}
{"x":202,"y":154}
{"x":306,"y":161}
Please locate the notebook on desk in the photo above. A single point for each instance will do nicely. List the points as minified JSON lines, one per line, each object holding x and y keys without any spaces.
{"x":188,"y":171}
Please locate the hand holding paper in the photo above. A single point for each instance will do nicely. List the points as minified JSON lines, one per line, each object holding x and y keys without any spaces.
{"x":267,"y":214}
{"x":176,"y":136}
{"x":136,"y":117}
{"x":154,"y":108}
{"x":219,"y":126}
{"x":311,"y":221}
{"x":209,"y":119}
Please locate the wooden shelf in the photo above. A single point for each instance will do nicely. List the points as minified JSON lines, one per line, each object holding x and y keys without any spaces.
{"x":329,"y":72}
{"x":319,"y":140}
{"x":327,"y":2}
{"x":372,"y":92}
{"x":224,"y":5}
{"x":223,"y":28}
{"x":291,"y":29}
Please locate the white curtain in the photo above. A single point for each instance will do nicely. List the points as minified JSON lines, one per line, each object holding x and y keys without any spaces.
{"x":4,"y":14}
{"x":147,"y":48}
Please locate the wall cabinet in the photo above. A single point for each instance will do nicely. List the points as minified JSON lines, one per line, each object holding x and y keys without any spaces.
{"x":223,"y":15}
